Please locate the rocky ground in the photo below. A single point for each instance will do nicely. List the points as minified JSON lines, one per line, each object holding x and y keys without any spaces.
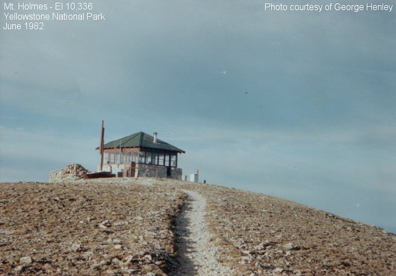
{"x":263,"y":235}
{"x":116,"y":227}
{"x":87,"y":228}
{"x":197,"y":255}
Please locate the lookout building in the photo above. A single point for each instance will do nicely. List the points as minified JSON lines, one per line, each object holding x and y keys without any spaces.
{"x":140,"y":155}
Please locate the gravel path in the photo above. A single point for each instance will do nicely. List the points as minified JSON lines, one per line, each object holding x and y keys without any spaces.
{"x":196,"y":252}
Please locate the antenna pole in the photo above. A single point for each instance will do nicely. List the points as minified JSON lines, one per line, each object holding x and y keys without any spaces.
{"x":101,"y":148}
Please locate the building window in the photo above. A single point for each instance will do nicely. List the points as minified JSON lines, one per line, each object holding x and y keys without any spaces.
{"x":148,"y":157}
{"x":106,"y":157}
{"x":122,"y":157}
{"x":166,"y":160}
{"x":142,"y":157}
{"x":129,"y":156}
{"x":173,"y":160}
{"x":117,"y":158}
{"x":161,"y":159}
{"x":155,"y":158}
{"x":135,"y":154}
{"x":111,"y":158}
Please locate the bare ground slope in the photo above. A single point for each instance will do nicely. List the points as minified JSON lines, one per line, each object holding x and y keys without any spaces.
{"x":87,"y":229}
{"x":266,"y":235}
{"x":114,"y":227}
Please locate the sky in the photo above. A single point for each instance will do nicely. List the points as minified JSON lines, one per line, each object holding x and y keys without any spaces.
{"x":298,"y":105}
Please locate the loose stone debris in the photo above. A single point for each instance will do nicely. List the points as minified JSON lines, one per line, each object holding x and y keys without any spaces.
{"x":87,"y":228}
{"x":197,"y":255}
{"x":262,"y":235}
{"x":116,"y":227}
{"x":70,"y":173}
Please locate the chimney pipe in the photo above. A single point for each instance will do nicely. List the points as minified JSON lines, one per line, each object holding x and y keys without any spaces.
{"x":155,"y":137}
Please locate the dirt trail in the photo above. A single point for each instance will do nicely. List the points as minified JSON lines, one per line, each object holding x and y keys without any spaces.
{"x":196,"y":253}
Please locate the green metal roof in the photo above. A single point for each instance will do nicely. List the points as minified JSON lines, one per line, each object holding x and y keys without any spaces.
{"x":141,"y":140}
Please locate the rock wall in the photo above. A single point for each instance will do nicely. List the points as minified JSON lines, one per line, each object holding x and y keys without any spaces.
{"x":149,"y":171}
{"x":176,"y":173}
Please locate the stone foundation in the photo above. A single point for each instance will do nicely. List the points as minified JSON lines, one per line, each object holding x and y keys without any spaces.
{"x":144,"y":170}
{"x":176,"y":173}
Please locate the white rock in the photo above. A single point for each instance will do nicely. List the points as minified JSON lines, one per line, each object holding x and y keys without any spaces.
{"x":128,"y":259}
{"x":288,"y":246}
{"x":116,"y":241}
{"x":75,"y":247}
{"x":116,"y":261}
{"x":102,"y":226}
{"x":121,"y":223}
{"x":26,"y":260}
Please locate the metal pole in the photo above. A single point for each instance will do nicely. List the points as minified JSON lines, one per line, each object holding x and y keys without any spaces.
{"x":101,"y":149}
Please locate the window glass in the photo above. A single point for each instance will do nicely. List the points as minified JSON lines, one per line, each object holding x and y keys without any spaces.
{"x":135,"y":154}
{"x":117,"y":157}
{"x":142,"y":157}
{"x":106,"y":158}
{"x":129,"y":156}
{"x":155,"y":158}
{"x":173,"y":160}
{"x":122,"y":157}
{"x":161,"y":159}
{"x":166,"y":160}
{"x":111,"y":159}
{"x":148,"y":157}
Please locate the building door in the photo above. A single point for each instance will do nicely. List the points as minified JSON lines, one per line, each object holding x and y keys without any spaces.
{"x":168,"y":171}
{"x":129,"y":169}
{"x":132,"y":168}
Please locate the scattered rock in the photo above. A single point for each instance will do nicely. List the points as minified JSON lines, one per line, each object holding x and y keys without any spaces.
{"x":128,"y":259}
{"x":26,"y":260}
{"x":278,"y":270}
{"x":288,"y":246}
{"x":116,"y":261}
{"x":75,"y":247}
{"x":106,"y":223}
{"x":295,"y":237}
{"x":19,"y":268}
{"x":41,"y":233}
{"x":70,"y":173}
{"x":102,"y":226}
{"x":116,"y":241}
